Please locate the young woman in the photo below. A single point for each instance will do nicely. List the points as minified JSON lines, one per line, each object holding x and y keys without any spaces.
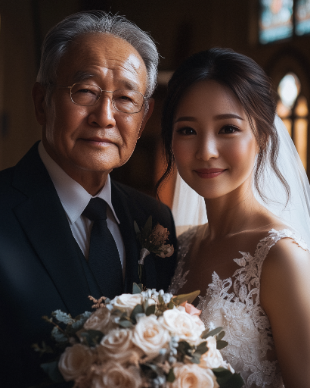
{"x":249,"y":260}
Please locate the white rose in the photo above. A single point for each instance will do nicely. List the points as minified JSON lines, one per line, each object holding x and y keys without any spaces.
{"x":117,"y":346}
{"x":150,"y":336}
{"x":99,"y":320}
{"x":212,"y":358}
{"x":126,"y":302}
{"x":192,"y":376}
{"x":187,"y":327}
{"x":75,"y":361}
{"x":116,"y":376}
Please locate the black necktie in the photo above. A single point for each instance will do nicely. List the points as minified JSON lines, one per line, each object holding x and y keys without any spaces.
{"x":103,"y":255}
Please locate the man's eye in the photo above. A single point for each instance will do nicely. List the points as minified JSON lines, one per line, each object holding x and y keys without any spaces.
{"x":85,"y":91}
{"x":186,"y":131}
{"x":228,"y":129}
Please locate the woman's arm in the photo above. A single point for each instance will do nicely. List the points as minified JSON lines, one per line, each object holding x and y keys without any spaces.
{"x":285,"y":297}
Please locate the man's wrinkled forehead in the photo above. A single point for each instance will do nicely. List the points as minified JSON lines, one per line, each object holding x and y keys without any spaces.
{"x":94,"y":55}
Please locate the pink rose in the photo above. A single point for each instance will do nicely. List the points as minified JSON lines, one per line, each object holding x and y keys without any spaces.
{"x":190,"y":309}
{"x":75,"y":361}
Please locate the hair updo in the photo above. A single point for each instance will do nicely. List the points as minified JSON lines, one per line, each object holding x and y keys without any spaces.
{"x":251,"y":86}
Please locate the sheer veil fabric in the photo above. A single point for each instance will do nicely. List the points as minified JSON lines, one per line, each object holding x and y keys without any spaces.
{"x":189,"y":207}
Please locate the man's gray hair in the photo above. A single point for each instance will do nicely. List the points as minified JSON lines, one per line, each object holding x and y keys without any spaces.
{"x":59,"y":37}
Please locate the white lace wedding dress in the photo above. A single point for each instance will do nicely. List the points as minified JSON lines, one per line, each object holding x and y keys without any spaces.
{"x":234,"y":304}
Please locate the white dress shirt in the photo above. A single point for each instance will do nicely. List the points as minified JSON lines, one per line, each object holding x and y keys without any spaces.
{"x":74,"y":199}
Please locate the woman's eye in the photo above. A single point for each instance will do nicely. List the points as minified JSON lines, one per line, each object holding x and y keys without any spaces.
{"x":228,"y":129}
{"x":186,"y":131}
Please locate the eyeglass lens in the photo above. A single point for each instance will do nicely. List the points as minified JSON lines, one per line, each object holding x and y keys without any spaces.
{"x":127,"y":101}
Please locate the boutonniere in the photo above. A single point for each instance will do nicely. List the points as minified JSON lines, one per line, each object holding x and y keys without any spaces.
{"x":152,"y":240}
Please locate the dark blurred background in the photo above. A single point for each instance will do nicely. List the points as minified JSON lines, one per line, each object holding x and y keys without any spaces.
{"x":275,"y":33}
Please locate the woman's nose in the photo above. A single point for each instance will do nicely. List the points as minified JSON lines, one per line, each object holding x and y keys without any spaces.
{"x":207,"y":148}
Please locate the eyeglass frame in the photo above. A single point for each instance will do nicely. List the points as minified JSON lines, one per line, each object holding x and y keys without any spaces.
{"x":102,"y":90}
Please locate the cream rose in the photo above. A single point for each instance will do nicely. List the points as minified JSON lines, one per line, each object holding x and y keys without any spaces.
{"x":116,"y":376}
{"x":178,"y":322}
{"x":99,"y":320}
{"x":75,"y":361}
{"x":126,"y":302}
{"x":192,"y":376}
{"x":150,"y":336}
{"x":212,"y":358}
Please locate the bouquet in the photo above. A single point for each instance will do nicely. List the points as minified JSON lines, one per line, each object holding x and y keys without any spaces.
{"x":145,"y":339}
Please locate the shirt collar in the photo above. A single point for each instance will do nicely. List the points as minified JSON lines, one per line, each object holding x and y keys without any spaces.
{"x":73,"y":197}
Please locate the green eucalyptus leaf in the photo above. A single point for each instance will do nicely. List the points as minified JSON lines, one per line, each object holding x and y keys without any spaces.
{"x":202,"y":348}
{"x":136,"y":289}
{"x":189,"y":298}
{"x":148,"y":226}
{"x":170,"y":305}
{"x":51,"y":369}
{"x":58,"y":335}
{"x":136,"y":227}
{"x":125,"y":324}
{"x":184,"y":348}
{"x":220,"y":336}
{"x":208,"y":333}
{"x":226,"y":379}
{"x":91,"y":337}
{"x":150,"y":310}
{"x":63,"y":317}
{"x":171,"y":376}
{"x":137,"y":310}
{"x":195,"y":358}
{"x":221,"y":344}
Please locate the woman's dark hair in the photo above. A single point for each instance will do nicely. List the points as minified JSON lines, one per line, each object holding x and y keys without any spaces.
{"x":250,"y":85}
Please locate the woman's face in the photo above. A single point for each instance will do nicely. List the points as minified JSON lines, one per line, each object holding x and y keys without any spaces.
{"x":213,"y":143}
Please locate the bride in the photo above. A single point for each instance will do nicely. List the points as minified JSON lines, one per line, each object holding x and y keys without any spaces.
{"x":247,"y":251}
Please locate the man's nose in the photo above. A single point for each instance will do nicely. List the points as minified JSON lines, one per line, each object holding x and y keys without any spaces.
{"x":207,"y":148}
{"x":102,"y":113}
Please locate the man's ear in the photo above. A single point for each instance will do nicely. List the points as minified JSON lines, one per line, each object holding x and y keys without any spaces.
{"x":151,"y":103}
{"x":38,"y":96}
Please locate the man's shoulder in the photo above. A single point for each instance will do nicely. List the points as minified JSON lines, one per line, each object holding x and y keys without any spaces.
{"x":6,"y":177}
{"x":144,"y":201}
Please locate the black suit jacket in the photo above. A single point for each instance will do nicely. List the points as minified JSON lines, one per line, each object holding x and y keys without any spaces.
{"x":41,"y":269}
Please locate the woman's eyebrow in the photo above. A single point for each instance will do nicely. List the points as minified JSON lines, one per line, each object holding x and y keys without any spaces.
{"x":185,"y":118}
{"x":227,"y":116}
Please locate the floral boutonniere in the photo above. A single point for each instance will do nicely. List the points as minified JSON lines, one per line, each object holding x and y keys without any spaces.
{"x":152,"y":240}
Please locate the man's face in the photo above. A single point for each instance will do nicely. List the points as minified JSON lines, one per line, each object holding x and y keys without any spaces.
{"x":94,"y":138}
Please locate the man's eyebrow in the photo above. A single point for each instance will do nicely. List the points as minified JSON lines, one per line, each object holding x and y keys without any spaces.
{"x":129,"y":85}
{"x":82,"y":76}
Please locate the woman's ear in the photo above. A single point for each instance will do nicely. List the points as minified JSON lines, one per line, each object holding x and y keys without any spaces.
{"x":38,"y":96}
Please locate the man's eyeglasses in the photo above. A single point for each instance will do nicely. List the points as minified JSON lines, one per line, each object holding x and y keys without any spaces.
{"x":123,"y":100}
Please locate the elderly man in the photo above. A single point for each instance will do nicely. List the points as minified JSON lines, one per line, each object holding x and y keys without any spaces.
{"x":67,"y":230}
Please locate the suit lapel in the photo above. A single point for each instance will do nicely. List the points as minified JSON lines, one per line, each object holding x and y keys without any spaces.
{"x":44,"y":221}
{"x":128,"y":212}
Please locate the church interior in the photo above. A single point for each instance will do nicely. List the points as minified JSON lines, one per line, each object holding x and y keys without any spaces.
{"x":275,"y":33}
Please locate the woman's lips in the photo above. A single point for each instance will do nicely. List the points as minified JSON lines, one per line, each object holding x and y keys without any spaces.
{"x":209,"y":172}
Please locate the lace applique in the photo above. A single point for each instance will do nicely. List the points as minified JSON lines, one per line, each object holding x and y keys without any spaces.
{"x":184,"y":243}
{"x":234,"y":304}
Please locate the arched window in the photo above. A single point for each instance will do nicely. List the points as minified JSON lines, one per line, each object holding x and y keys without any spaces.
{"x":292,"y":108}
{"x":282,"y":19}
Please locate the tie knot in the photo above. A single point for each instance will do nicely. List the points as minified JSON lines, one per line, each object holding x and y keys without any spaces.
{"x":96,"y":209}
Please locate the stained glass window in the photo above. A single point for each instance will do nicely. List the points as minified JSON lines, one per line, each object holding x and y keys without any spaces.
{"x":293,"y":109}
{"x":302,"y":17}
{"x":276,"y":20}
